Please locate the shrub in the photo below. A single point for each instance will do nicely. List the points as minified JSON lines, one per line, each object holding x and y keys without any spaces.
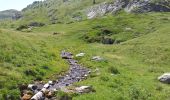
{"x":104,"y":32}
{"x":21,"y":27}
{"x":113,"y":70}
{"x":30,"y":72}
{"x":137,"y":93}
{"x":107,"y":41}
{"x":36,"y":24}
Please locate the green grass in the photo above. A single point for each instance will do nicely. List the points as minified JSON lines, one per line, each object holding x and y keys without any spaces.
{"x":139,"y":60}
{"x":57,"y":11}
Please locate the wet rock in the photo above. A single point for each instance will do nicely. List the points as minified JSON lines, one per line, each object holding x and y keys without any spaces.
{"x":38,"y":96}
{"x":66,"y":55}
{"x":47,"y":85}
{"x":50,"y":94}
{"x":50,"y":82}
{"x":26,"y":97}
{"x":76,"y":73}
{"x":165,"y":78}
{"x":32,"y":86}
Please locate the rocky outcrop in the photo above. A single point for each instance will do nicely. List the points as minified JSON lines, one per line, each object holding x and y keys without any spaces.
{"x":136,"y":6}
{"x":102,"y":9}
{"x":140,"y":6}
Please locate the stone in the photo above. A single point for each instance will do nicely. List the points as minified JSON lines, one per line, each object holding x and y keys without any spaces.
{"x":66,"y":55}
{"x":50,"y":94}
{"x":165,"y":78}
{"x":75,"y":74}
{"x":32,"y":86}
{"x":50,"y":82}
{"x":128,"y":28}
{"x":38,"y":96}
{"x":46,"y":86}
{"x":26,"y":97}
{"x":80,"y":55}
{"x":84,"y":89}
{"x":97,"y":58}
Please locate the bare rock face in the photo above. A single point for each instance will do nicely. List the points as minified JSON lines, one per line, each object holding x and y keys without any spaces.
{"x":141,"y":6}
{"x":102,"y":9}
{"x":165,"y":78}
{"x":135,"y":6}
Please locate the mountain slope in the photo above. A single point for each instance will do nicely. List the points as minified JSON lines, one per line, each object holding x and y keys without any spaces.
{"x":68,"y":11}
{"x":25,"y":57}
{"x":134,"y":47}
{"x":10,"y":14}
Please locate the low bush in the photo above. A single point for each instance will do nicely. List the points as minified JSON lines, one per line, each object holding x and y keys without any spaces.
{"x":36,"y":24}
{"x":113,"y":70}
{"x":21,"y":27}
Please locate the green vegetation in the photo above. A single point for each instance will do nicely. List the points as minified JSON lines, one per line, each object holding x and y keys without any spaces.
{"x":57,"y":11}
{"x":128,"y":72}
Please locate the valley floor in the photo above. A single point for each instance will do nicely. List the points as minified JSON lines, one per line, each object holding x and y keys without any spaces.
{"x":129,"y":70}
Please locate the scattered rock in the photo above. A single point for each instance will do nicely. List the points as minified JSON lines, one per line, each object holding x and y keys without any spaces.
{"x":80,"y":55}
{"x":47,"y":85}
{"x":50,"y":82}
{"x":76,"y":73}
{"x":50,"y":94}
{"x":32,"y":86}
{"x":80,"y":89}
{"x":128,"y":28}
{"x":97,"y":58}
{"x":38,"y":96}
{"x":66,"y":55}
{"x":165,"y":78}
{"x":84,"y":89}
{"x":26,"y":97}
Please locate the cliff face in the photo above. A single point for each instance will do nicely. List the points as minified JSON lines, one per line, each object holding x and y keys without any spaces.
{"x":135,"y":6}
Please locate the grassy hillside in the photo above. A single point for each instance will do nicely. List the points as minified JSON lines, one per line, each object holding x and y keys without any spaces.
{"x":57,"y":11}
{"x":140,"y":57}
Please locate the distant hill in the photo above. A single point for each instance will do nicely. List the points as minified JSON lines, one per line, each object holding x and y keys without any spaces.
{"x":10,"y":14}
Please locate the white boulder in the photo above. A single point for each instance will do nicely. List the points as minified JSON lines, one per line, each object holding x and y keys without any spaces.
{"x":165,"y":78}
{"x":80,"y":55}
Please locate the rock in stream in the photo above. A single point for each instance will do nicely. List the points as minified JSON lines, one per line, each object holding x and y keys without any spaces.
{"x":75,"y":73}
